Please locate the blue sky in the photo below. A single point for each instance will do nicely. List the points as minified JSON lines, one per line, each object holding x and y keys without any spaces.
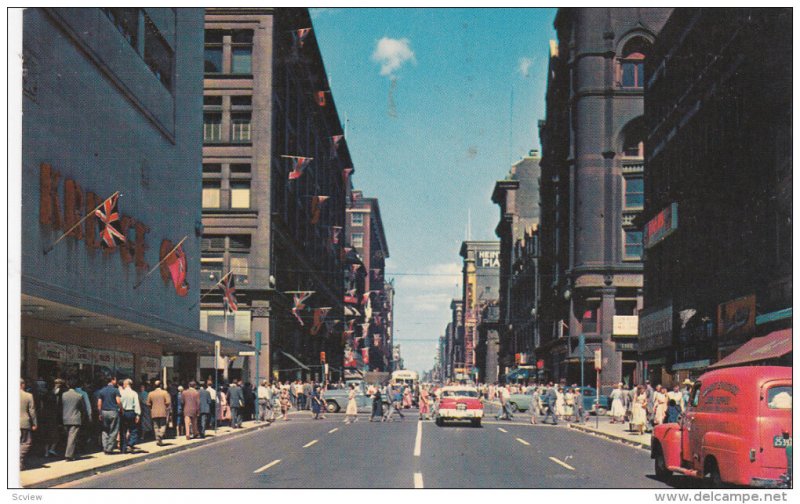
{"x":431,"y":125}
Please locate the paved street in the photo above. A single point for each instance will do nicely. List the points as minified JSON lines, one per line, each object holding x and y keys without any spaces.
{"x":304,"y":453}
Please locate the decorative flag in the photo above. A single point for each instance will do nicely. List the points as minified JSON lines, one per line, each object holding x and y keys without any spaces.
{"x":299,"y":37}
{"x":365,"y":355}
{"x":111,"y":233}
{"x":349,"y":358}
{"x":299,"y":298}
{"x":365,"y":297}
{"x":368,"y":309}
{"x":374,"y":273}
{"x":354,"y":268}
{"x":229,"y":294}
{"x":316,"y":203}
{"x":335,"y":139}
{"x":377,"y":319}
{"x":345,"y":174}
{"x":319,"y":317}
{"x":176,"y":262}
{"x":364,"y":328}
{"x":350,"y":297}
{"x":320,"y":97}
{"x":335,"y":231}
{"x":299,"y":164}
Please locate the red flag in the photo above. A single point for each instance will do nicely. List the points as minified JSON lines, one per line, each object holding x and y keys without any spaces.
{"x":365,"y":355}
{"x":350,"y":297}
{"x":108,"y":214}
{"x":229,"y":294}
{"x":320,"y":97}
{"x":319,"y":317}
{"x":365,"y":297}
{"x":316,"y":203}
{"x":335,"y":139}
{"x":299,"y":164}
{"x":299,"y":36}
{"x":350,"y":358}
{"x":335,"y":231}
{"x":345,"y":174}
{"x":176,"y":262}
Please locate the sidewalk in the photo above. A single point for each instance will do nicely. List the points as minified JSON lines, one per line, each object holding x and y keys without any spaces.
{"x":57,"y":471}
{"x":617,"y":432}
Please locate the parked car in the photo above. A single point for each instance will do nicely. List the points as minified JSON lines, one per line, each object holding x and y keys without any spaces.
{"x":459,"y":403}
{"x":336,"y":399}
{"x":737,"y":429}
{"x":522,"y":402}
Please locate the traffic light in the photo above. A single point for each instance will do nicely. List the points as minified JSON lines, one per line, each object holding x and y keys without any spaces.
{"x":322,"y":357}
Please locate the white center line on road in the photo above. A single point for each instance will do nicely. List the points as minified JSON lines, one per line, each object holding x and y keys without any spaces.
{"x":333,"y":430}
{"x":261,"y":469}
{"x":418,"y":442}
{"x":562,"y":463}
{"x":418,"y":480}
{"x":523,"y":442}
{"x":311,"y":443}
{"x":501,"y":429}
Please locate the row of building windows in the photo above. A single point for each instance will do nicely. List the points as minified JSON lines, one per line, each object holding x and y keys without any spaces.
{"x":238,"y":113}
{"x":229,"y":52}
{"x":142,"y":34}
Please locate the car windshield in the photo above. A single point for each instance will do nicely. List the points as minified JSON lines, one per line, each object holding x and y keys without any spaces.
{"x":459,"y":393}
{"x":780,"y":398}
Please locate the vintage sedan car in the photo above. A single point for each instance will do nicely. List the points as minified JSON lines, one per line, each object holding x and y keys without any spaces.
{"x":459,"y":403}
{"x":522,"y":402}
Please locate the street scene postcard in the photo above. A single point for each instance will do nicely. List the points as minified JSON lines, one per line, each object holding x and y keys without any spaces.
{"x":297,"y":248}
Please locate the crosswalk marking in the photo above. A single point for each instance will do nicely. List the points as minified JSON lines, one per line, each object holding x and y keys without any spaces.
{"x":310,"y":444}
{"x":418,"y":480}
{"x":562,"y":463}
{"x":523,"y":442}
{"x":264,"y":468}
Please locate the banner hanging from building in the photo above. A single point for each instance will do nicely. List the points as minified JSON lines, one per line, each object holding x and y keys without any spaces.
{"x":49,"y":350}
{"x":79,"y":355}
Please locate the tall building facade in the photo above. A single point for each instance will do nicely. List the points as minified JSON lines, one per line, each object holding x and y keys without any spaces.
{"x":518,"y":198}
{"x":374,"y":296}
{"x":718,"y":187}
{"x":481,"y":284}
{"x":275,"y":187}
{"x":111,"y":105}
{"x":455,"y":336}
{"x":592,"y":187}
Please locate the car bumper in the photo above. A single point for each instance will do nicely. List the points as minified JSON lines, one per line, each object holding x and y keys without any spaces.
{"x":783,"y":482}
{"x":451,"y":413}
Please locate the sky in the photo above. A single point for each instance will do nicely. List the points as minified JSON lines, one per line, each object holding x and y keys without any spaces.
{"x":438,"y":104}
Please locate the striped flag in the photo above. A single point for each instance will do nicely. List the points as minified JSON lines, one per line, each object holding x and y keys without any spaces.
{"x":299,"y":164}
{"x":111,"y":234}
{"x":299,"y":305}
{"x":229,"y":294}
{"x":299,"y":37}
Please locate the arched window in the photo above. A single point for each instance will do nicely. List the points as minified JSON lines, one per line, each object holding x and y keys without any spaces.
{"x":631,"y":63}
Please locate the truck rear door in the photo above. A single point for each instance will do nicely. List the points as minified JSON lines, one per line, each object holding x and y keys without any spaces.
{"x":775,"y":423}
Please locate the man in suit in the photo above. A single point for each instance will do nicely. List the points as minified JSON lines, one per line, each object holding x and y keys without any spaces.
{"x":190,"y":399}
{"x":73,"y":410}
{"x":160,"y":404}
{"x":236,"y":403}
{"x":550,"y":399}
{"x":205,"y":409}
{"x":27,"y":422}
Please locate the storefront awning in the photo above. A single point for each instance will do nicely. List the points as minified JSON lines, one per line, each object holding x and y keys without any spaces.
{"x":775,"y":316}
{"x":292,"y":357}
{"x":771,"y":346}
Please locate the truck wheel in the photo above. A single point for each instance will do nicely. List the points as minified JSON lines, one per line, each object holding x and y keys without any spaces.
{"x":662,"y":473}
{"x":332,"y":407}
{"x":713,"y":478}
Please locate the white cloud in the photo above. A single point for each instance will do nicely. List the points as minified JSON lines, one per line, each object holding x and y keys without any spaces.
{"x":524,"y":67}
{"x":392,"y":54}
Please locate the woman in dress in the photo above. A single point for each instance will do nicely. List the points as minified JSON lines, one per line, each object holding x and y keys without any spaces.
{"x":424,"y":404}
{"x":286,"y":403}
{"x":617,"y":404}
{"x":224,"y":408}
{"x":407,"y":396}
{"x":316,"y":403}
{"x":639,"y":410}
{"x":561,"y":406}
{"x":351,"y":413}
{"x":569,"y":403}
{"x":659,"y":405}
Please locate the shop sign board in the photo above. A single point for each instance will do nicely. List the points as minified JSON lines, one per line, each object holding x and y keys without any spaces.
{"x":103,"y":361}
{"x":123,"y":364}
{"x":150,"y":365}
{"x":49,"y":350}
{"x":79,"y":355}
{"x":626,"y":325}
{"x":736,"y":319}
{"x":655,"y":329}
{"x":662,"y":225}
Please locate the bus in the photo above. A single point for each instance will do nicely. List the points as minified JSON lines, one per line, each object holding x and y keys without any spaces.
{"x":404,"y":377}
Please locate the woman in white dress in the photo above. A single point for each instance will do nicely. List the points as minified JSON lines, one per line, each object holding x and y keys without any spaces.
{"x":617,"y":405}
{"x":639,"y":410}
{"x":351,"y":413}
{"x":560,"y":403}
{"x":659,"y":405}
{"x":569,"y":403}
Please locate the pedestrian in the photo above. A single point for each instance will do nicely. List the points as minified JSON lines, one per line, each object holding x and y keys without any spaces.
{"x":224,"y":414}
{"x":300,"y":391}
{"x":351,"y":413}
{"x":159,"y":403}
{"x":686,"y":392}
{"x":534,"y":400}
{"x":73,"y":413}
{"x":560,"y":403}
{"x":639,"y":410}
{"x":146,"y":422}
{"x":676,"y":395}
{"x":550,"y":401}
{"x":659,"y":406}
{"x":265,"y":412}
{"x":293,"y":393}
{"x":204,"y":410}
{"x":131,"y":416}
{"x":673,"y":412}
{"x":424,"y":403}
{"x":580,"y":412}
{"x":316,"y":404}
{"x":108,"y":404}
{"x":213,"y":394}
{"x":407,"y":398}
{"x":27,"y":423}
{"x":396,"y":404}
{"x":307,"y":389}
{"x":50,"y":418}
{"x":249,"y":400}
{"x":650,"y":395}
{"x":236,"y":403}
{"x":178,"y":402}
{"x":377,"y":405}
{"x":617,"y":405}
{"x":191,"y":410}
{"x":569,"y":403}
{"x":286,"y":403}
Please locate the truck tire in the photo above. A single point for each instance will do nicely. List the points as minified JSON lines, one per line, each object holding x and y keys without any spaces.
{"x":332,"y":406}
{"x":711,"y":474}
{"x":662,"y":473}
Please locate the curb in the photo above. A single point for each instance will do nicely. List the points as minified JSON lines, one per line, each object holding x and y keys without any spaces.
{"x":60,"y":480}
{"x":612,"y":437}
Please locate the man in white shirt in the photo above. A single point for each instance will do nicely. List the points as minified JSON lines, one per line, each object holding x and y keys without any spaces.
{"x":265,"y":402}
{"x":213,"y":393}
{"x":505,"y":412}
{"x":131,"y":412}
{"x":676,"y":395}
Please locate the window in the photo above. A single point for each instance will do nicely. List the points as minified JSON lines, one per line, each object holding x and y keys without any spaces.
{"x":239,"y":242}
{"x":589,"y":319}
{"x":242,"y":52}
{"x":212,"y":101}
{"x":780,"y":397}
{"x":240,"y":127}
{"x":237,"y":327}
{"x":634,"y":192}
{"x":240,"y":168}
{"x":212,"y":127}
{"x":631,"y":63}
{"x":157,"y":53}
{"x":357,"y":219}
{"x":633,"y":245}
{"x":240,"y":194}
{"x":358,"y":239}
{"x":213,"y":51}
{"x":212,"y":168}
{"x":239,"y":266}
{"x":211,"y":194}
{"x":127,"y":22}
{"x":211,"y":265}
